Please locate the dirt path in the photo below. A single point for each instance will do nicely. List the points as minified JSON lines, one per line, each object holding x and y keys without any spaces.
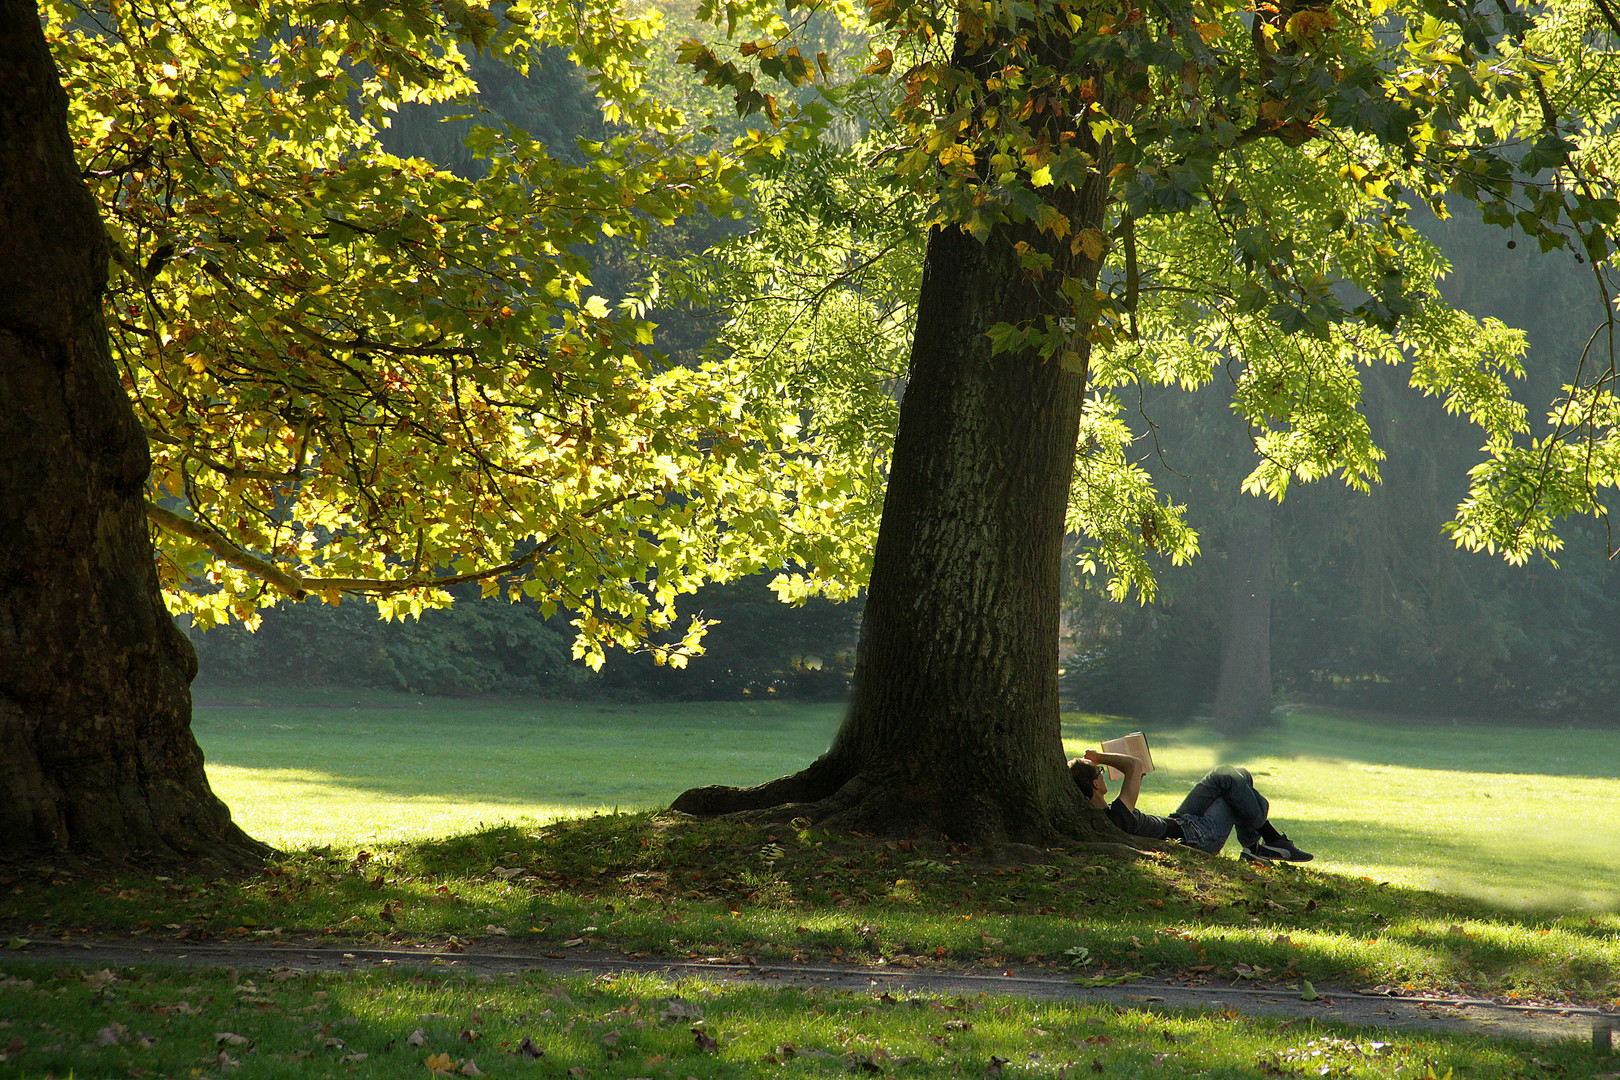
{"x":1334,"y":1004}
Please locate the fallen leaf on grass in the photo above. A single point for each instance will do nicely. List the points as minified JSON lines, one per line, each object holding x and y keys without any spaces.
{"x":440,"y":1063}
{"x":704,"y":1040}
{"x":993,"y":1070}
{"x":230,"y":1038}
{"x":679,"y":1009}
{"x":468,"y":1068}
{"x":111,"y":1034}
{"x":351,"y":1059}
{"x":416,"y":1038}
{"x":225,"y":1061}
{"x":611,"y":1039}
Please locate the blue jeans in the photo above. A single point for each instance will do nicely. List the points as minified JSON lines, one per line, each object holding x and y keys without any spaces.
{"x":1223,"y":800}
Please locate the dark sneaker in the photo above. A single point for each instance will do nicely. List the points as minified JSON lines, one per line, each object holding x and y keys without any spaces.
{"x":1253,"y":855}
{"x":1282,"y":848}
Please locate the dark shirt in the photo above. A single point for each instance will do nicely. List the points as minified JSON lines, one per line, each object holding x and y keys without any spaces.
{"x":1133,"y":821}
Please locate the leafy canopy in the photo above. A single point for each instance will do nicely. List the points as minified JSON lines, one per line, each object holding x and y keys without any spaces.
{"x":1260,"y":158}
{"x":361,"y":374}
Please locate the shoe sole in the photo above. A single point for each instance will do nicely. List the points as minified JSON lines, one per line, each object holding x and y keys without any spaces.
{"x":1284,"y":855}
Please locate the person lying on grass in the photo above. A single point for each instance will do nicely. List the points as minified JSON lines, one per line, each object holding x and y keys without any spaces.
{"x":1223,"y":800}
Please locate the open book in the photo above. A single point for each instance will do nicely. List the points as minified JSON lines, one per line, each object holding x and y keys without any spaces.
{"x":1134,"y":744}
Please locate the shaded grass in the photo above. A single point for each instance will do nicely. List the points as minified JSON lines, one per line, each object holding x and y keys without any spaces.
{"x":287,"y":1023}
{"x":661,"y":884}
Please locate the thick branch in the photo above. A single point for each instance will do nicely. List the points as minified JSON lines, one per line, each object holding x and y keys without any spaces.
{"x":287,"y":581}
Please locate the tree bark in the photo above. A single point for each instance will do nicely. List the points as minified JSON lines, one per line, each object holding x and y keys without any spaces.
{"x":96,"y":752}
{"x":1243,"y":690}
{"x":953,"y":727}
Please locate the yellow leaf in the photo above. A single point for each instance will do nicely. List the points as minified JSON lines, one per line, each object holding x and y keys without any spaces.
{"x":1210,"y":31}
{"x":1309,"y":24}
{"x":1050,"y":219}
{"x":440,"y":1063}
{"x":881,"y":66}
{"x":1091,"y":242}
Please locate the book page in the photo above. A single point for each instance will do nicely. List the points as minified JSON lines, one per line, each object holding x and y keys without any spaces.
{"x":1135,"y":744}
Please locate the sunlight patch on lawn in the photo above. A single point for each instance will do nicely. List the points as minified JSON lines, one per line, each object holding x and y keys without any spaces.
{"x":296,"y":808}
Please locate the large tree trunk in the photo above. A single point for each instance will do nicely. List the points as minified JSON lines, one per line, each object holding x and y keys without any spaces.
{"x":953,"y":728}
{"x":1243,"y":691}
{"x":96,"y":752}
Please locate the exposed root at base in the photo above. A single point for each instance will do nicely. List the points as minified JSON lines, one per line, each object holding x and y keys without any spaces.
{"x":839,"y":799}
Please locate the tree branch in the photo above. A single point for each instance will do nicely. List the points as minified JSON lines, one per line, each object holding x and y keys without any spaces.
{"x":297,"y":586}
{"x":287,"y":581}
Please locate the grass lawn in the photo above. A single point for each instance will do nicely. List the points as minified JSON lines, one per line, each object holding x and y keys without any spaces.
{"x":456,"y":823}
{"x":1519,"y":816}
{"x":287,"y":1024}
{"x":365,"y":767}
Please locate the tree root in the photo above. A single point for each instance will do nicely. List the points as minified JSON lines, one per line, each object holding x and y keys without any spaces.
{"x":836,"y":798}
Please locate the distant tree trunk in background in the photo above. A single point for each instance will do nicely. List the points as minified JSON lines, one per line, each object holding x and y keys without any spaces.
{"x":1243,"y":690}
{"x":96,"y":751}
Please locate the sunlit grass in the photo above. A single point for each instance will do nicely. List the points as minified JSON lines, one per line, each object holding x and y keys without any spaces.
{"x":363,"y":767}
{"x":1520,"y":815}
